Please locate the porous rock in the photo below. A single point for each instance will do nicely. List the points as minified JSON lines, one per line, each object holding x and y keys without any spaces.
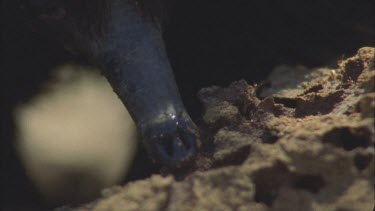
{"x":307,"y":143}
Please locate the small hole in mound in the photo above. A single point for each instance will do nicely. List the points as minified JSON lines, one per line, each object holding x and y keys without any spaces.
{"x":269,"y":137}
{"x":320,"y":104}
{"x":361,"y":161}
{"x":236,"y":158}
{"x":348,"y":138}
{"x":312,"y":183}
{"x":268,"y":181}
{"x":353,"y":69}
{"x":289,"y":103}
{"x":314,"y":89}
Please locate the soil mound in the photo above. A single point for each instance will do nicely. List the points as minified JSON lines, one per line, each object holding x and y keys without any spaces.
{"x":304,"y":140}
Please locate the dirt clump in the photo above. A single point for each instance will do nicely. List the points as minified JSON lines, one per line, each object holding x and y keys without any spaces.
{"x":303,"y":141}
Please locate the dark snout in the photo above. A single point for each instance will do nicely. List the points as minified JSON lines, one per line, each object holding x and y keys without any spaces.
{"x":172,"y":142}
{"x":135,"y":62}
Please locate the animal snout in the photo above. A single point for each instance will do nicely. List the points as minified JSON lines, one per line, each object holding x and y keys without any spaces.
{"x":179,"y":147}
{"x":171,"y":144}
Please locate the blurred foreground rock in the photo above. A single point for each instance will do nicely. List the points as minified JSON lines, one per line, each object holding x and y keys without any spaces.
{"x":304,"y":141}
{"x":75,"y":137}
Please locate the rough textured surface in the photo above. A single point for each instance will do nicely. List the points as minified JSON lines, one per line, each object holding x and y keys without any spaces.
{"x":304,"y":141}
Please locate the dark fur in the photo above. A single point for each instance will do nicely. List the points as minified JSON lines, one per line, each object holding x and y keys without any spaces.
{"x":93,"y":14}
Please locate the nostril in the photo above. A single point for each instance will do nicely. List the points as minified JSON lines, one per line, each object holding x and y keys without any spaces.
{"x":181,"y":149}
{"x":177,"y":148}
{"x":166,"y":145}
{"x":172,"y":146}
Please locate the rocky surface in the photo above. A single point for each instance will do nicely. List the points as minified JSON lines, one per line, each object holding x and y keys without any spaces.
{"x":304,"y":140}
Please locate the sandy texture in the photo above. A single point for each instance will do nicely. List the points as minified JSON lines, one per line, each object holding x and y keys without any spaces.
{"x":303,"y":141}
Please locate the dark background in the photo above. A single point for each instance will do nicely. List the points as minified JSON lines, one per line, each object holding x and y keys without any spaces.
{"x":217,"y":42}
{"x":208,"y":43}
